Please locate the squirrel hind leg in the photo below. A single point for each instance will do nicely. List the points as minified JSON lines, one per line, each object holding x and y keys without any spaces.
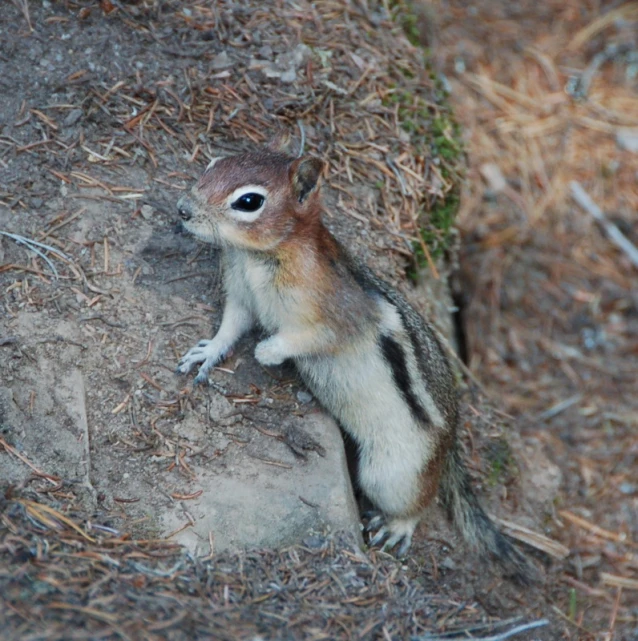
{"x":398,"y":530}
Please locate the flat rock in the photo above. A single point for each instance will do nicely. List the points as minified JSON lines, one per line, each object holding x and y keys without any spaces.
{"x":270,"y":498}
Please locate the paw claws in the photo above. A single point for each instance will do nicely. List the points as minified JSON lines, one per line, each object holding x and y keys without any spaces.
{"x":390,"y":534}
{"x":379,"y":537}
{"x":405,"y":546}
{"x":201,"y":378}
{"x":183,"y":367}
{"x":204,"y":352}
{"x":393,"y":541}
{"x":374,"y":523}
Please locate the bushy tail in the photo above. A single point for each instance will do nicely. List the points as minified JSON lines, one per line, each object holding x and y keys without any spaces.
{"x":465,"y":511}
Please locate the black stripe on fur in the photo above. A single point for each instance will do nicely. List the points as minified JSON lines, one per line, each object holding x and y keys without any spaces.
{"x":393,"y":354}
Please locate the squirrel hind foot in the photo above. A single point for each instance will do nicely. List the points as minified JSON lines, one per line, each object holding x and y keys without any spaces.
{"x":393,"y":532}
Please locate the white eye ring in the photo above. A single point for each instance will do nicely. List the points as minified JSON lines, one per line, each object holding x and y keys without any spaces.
{"x":246,"y":216}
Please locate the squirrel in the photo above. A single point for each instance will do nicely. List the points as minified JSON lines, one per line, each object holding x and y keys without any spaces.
{"x":368,"y":357}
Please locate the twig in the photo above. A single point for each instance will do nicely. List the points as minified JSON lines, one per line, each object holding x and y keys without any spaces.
{"x":24,"y":5}
{"x":99,"y":317}
{"x":614,"y":234}
{"x":33,"y":246}
{"x":578,"y":88}
{"x":49,"y":477}
{"x":302,"y":143}
{"x":619,"y":581}
{"x":612,"y":619}
{"x":77,"y":383}
{"x":555,"y":410}
{"x":397,"y":173}
{"x":596,"y":530}
{"x":66,"y":221}
{"x":534,"y":539}
{"x":496,"y":637}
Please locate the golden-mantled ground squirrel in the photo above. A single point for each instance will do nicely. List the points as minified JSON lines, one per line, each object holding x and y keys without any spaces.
{"x":367,"y":356}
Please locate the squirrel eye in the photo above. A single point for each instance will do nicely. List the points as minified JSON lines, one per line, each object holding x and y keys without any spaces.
{"x":248,"y":202}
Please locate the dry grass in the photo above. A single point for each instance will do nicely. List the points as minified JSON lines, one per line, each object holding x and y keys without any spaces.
{"x":543,"y":90}
{"x":60,"y":580}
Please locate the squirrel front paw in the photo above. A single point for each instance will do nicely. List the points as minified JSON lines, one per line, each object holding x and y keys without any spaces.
{"x":270,"y":352}
{"x":206,"y":352}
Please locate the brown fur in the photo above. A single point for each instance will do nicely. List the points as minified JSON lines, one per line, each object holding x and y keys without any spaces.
{"x":431,"y":475}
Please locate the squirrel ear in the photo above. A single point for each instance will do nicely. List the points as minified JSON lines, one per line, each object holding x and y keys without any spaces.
{"x":304,"y":176}
{"x":280,"y":141}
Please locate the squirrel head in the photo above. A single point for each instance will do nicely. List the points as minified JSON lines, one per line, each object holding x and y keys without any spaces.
{"x":253,"y":200}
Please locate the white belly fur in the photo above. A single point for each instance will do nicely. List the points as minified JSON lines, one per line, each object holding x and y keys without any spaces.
{"x":356,"y":386}
{"x":252,"y":281}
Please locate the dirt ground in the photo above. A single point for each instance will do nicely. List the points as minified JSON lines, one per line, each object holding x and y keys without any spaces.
{"x":93,"y":352}
{"x":98,"y":136}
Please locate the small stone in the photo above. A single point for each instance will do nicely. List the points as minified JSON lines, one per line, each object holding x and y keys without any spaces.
{"x":459,"y":65}
{"x":300,"y":55}
{"x":304,"y":397}
{"x":493,"y":177}
{"x":628,"y":488}
{"x":219,"y":441}
{"x":72,"y":117}
{"x":628,"y":139}
{"x":289,"y":76}
{"x":448,"y":563}
{"x":221,"y":61}
{"x":146,"y":211}
{"x":314,"y":542}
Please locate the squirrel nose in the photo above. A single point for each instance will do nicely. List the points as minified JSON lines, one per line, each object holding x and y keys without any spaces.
{"x":184,"y":209}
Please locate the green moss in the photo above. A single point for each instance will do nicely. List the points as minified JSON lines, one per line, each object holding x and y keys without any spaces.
{"x":404,"y":14}
{"x":501,"y":462}
{"x":437,"y":227}
{"x":409,"y":23}
{"x":435,"y":135}
{"x":447,"y":138}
